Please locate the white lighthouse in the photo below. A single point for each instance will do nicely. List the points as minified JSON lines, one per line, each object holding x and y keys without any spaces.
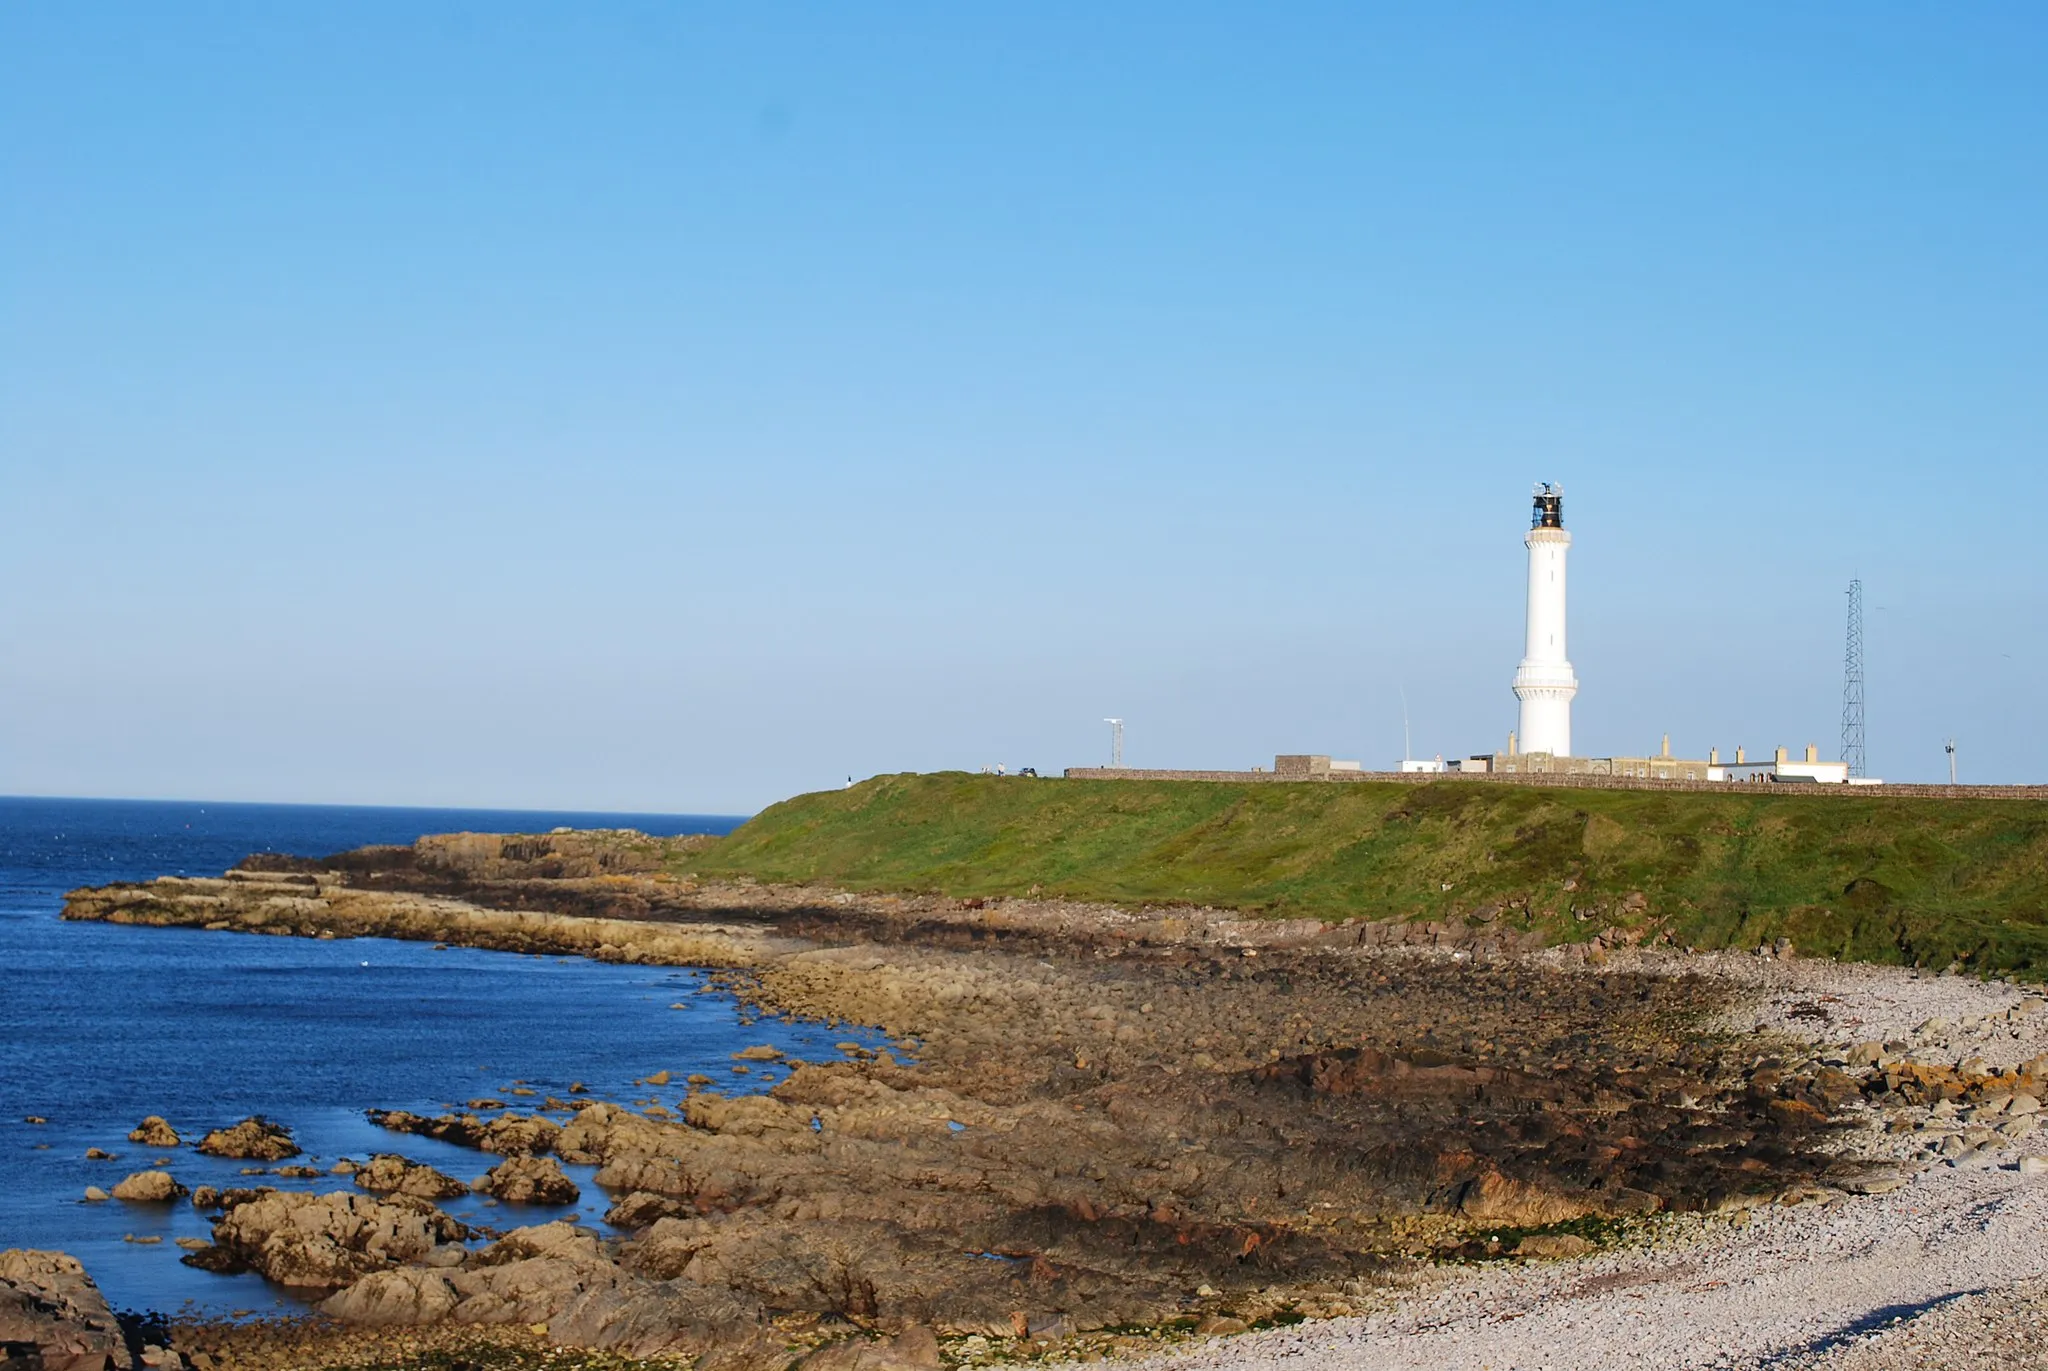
{"x":1545,"y":683}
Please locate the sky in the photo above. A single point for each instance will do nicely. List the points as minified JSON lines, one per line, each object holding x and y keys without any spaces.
{"x":674,"y":407}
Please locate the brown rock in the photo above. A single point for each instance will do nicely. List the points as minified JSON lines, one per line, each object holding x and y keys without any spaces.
{"x":914,"y":1349}
{"x":253,"y":1139}
{"x":325,"y":1241}
{"x":149,"y":1187}
{"x":405,"y":1297}
{"x":529,"y":1180}
{"x":642,"y":1208}
{"x":1553,"y":1246}
{"x":51,"y":1311}
{"x":508,"y":1135}
{"x":154,"y":1132}
{"x":1796,"y":1116}
{"x":390,"y":1174}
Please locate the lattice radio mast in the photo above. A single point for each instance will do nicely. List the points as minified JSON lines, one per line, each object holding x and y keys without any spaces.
{"x":1852,"y":685}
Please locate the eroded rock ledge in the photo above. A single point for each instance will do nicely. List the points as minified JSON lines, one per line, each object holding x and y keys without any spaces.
{"x":1093,"y":1118}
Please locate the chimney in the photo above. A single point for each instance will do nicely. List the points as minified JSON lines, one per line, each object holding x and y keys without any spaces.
{"x":1781,"y":756}
{"x":1812,"y":753}
{"x":1667,"y":745}
{"x":1511,"y":742}
{"x":1713,"y":756}
{"x":1739,"y":759}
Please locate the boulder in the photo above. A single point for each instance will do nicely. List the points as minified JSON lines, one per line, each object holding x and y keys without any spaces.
{"x":149,"y":1187}
{"x":642,"y":1208}
{"x":406,"y":1296}
{"x":154,"y":1132}
{"x":390,"y":1174}
{"x":1553,"y":1246}
{"x":558,"y":1239}
{"x":53,"y":1317}
{"x":529,"y":1180}
{"x":253,"y":1139}
{"x":325,"y":1242}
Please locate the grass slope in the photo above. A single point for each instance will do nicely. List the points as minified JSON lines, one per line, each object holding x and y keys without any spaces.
{"x":1871,"y":879}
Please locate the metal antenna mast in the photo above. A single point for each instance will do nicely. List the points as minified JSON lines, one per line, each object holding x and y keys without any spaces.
{"x":1950,"y":748}
{"x":1116,"y":744}
{"x":1852,"y":685}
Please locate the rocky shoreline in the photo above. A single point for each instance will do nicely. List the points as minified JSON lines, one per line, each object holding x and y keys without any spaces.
{"x":1096,"y":1128}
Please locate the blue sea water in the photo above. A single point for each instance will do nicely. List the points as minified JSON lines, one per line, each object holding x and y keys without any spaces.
{"x":101,"y":1025}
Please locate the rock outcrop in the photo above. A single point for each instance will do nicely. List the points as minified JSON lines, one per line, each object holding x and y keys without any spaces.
{"x":154,"y":1132}
{"x":1082,"y":1114}
{"x":529,"y":1180}
{"x":390,"y":1174}
{"x":324,"y":1242}
{"x":149,"y":1187}
{"x":53,"y":1318}
{"x":914,"y":1349}
{"x":254,"y":1139}
{"x":508,"y":1135}
{"x":560,"y":1276}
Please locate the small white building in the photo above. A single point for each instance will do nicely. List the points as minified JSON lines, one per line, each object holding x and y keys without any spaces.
{"x":1782,"y":770}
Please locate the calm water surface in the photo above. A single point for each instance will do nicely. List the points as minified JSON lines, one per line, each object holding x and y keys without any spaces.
{"x":101,"y":1025}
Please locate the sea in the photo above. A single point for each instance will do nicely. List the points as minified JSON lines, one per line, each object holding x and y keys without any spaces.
{"x":101,"y":1025}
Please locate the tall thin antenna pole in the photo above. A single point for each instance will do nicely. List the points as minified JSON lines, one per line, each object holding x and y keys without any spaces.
{"x":1407,"y":748}
{"x":1950,"y":748}
{"x":1852,"y":685}
{"x":1116,"y":744}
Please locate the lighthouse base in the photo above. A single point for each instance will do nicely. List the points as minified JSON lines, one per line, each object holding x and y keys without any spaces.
{"x":1546,"y":694}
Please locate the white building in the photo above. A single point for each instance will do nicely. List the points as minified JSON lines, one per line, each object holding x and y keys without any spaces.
{"x":1545,"y":684}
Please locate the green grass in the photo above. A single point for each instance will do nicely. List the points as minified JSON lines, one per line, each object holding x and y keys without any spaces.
{"x":1912,"y":880}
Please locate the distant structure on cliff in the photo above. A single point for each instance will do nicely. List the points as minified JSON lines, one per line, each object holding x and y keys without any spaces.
{"x":1544,"y":683}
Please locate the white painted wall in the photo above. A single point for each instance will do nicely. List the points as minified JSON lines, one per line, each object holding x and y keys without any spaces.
{"x":1545,"y":683}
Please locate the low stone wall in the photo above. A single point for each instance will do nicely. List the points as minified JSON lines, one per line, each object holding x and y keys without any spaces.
{"x":1863,"y":792}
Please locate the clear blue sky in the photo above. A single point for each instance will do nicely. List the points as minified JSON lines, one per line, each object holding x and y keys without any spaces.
{"x":674,"y":407}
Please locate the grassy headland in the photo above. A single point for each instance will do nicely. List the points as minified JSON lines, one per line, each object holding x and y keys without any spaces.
{"x":1874,"y":879}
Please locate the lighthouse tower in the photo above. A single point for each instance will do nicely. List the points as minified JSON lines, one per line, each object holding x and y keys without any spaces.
{"x":1545,"y":683}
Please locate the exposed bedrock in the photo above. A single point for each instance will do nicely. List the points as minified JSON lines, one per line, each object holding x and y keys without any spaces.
{"x":324,"y":1242}
{"x":1086,"y":1116}
{"x":529,"y":1180}
{"x":559,"y":1276}
{"x":508,"y":1135}
{"x":389,"y":1174}
{"x":253,"y":1139}
{"x":53,"y":1318}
